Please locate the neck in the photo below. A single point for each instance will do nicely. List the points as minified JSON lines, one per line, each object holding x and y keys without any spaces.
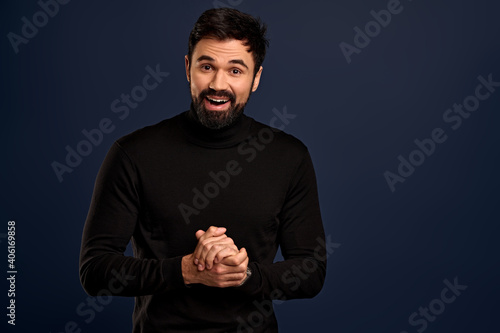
{"x":227,"y":136}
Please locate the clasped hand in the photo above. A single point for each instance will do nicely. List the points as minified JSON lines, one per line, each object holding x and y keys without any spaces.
{"x":216,"y":261}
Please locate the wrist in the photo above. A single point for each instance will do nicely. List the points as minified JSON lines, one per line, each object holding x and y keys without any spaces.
{"x":247,"y":276}
{"x":187,"y":270}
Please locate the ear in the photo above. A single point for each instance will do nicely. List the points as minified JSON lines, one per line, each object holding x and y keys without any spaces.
{"x":256,"y":80}
{"x":188,"y":76}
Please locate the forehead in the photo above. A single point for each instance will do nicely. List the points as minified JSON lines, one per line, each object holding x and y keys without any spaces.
{"x":223,"y":51}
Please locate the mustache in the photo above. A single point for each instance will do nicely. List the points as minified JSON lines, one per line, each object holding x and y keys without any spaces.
{"x":219,"y":93}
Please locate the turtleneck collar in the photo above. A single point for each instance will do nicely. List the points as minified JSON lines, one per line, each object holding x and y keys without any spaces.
{"x":225,"y":137}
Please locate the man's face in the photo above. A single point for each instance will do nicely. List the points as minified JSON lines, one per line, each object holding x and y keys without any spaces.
{"x":221,"y":79}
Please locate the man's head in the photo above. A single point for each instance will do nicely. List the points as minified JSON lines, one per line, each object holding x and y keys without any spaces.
{"x":224,"y":64}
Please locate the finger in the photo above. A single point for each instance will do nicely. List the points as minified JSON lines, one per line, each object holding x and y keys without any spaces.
{"x":204,"y":246}
{"x":209,"y":257}
{"x":213,"y":232}
{"x":226,"y":252}
{"x":202,"y":235}
{"x":237,"y":259}
{"x":203,"y":243}
{"x":199,"y":233}
{"x":208,"y":244}
{"x":219,"y":251}
{"x":226,"y":280}
{"x":220,"y":231}
{"x":233,"y":277}
{"x":220,"y":269}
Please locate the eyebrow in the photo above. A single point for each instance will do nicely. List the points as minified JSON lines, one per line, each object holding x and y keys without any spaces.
{"x":234,"y":61}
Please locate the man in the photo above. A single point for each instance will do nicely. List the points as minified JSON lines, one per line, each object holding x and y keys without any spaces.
{"x":206,"y":198}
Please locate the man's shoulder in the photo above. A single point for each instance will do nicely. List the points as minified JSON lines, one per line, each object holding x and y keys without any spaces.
{"x":277,"y":137}
{"x":155,"y":134}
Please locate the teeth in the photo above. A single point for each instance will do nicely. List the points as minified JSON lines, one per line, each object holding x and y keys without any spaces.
{"x":218,"y":100}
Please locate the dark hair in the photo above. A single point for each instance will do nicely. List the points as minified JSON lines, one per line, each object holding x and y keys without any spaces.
{"x":228,"y":23}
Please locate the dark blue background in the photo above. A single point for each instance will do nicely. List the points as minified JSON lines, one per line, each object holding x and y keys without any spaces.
{"x":395,"y":248}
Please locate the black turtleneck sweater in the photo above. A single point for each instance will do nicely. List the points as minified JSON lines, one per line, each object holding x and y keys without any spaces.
{"x":157,"y":186}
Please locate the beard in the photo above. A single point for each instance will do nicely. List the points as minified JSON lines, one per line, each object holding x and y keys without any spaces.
{"x":217,"y":119}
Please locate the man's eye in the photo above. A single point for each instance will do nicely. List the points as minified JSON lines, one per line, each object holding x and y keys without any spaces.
{"x":206,"y":67}
{"x":236,"y":71}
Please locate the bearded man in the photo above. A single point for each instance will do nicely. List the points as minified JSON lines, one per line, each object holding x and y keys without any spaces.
{"x":207,"y":198}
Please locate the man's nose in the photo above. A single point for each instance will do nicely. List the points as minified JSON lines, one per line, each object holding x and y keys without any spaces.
{"x":219,"y":82}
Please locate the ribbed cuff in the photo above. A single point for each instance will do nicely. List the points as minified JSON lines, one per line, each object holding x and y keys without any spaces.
{"x":171,"y":269}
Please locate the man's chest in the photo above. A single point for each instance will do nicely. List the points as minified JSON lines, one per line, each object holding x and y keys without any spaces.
{"x":215,"y":188}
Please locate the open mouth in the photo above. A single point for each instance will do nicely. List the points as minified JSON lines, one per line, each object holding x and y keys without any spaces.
{"x":217,"y":103}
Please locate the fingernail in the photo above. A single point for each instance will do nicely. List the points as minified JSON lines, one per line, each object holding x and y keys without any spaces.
{"x":196,"y":261}
{"x":200,"y":267}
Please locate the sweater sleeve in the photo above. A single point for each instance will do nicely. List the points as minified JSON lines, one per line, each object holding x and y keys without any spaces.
{"x":111,"y":221}
{"x":302,"y":241}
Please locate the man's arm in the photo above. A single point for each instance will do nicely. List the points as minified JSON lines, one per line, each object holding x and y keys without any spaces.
{"x":301,"y":236}
{"x":111,"y":221}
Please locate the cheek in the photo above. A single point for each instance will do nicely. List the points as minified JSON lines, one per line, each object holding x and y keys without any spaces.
{"x":197,"y":83}
{"x":195,"y":88}
{"x":242,"y":93}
